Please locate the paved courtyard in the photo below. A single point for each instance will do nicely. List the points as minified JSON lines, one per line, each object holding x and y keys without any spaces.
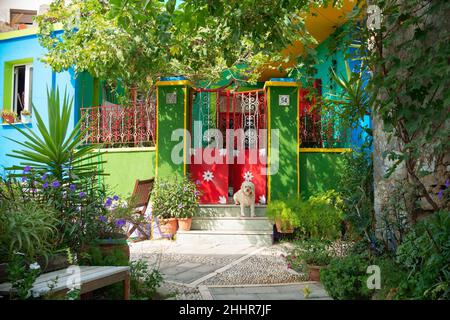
{"x":223,"y":272}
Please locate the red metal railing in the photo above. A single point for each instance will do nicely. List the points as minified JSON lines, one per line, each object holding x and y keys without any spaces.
{"x":116,"y":125}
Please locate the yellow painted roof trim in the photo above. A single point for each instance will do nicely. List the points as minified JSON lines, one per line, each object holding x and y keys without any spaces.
{"x":18,"y":33}
{"x":281,"y":84}
{"x":334,"y":150}
{"x":174,"y":83}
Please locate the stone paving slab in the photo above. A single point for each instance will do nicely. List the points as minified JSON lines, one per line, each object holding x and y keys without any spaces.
{"x":272,"y":292}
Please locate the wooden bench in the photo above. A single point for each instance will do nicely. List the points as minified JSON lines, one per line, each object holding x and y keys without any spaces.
{"x":90,"y":279}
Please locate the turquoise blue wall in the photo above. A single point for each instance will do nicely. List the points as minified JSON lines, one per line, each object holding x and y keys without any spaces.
{"x":21,"y":48}
{"x":329,"y":88}
{"x":327,"y":51}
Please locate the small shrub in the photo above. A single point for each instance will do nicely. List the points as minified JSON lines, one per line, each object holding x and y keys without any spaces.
{"x":346,"y":278}
{"x":143,"y":281}
{"x":320,"y":216}
{"x":425,"y":252}
{"x":26,"y":227}
{"x":309,"y":252}
{"x":282,"y":211}
{"x":174,"y":198}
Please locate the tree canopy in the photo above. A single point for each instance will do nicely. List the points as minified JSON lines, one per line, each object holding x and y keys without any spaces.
{"x":138,"y":41}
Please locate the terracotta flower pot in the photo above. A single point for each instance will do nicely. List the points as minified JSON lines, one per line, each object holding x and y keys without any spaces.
{"x":112,"y":245}
{"x":168,"y":226}
{"x":8,"y":119}
{"x":185,"y":223}
{"x":287,"y":228}
{"x":314,"y":272}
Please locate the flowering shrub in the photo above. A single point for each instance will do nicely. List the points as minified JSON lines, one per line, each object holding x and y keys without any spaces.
{"x":22,"y":276}
{"x":174,"y":198}
{"x":309,"y":252}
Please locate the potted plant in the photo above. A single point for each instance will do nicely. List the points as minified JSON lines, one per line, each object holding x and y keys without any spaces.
{"x":174,"y":199}
{"x":187,"y":203}
{"x":282,"y":214}
{"x":25,"y":116}
{"x":315,"y":256}
{"x":112,"y":221}
{"x":8,"y":116}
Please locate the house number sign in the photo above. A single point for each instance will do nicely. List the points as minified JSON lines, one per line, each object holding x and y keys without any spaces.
{"x":171,"y":98}
{"x":283,"y":100}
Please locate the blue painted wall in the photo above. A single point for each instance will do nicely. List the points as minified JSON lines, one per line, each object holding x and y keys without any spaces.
{"x":43,"y":77}
{"x":329,"y":88}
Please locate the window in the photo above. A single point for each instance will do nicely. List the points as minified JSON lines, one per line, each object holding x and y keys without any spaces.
{"x":22,"y":85}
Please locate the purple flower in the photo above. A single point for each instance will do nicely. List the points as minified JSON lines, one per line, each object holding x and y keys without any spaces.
{"x":26,"y":169}
{"x":102,"y":218}
{"x":120,"y":222}
{"x":447,"y":183}
{"x":24,"y":179}
{"x":116,"y":198}
{"x":196,"y":193}
{"x":72,"y":187}
{"x":108,"y":202}
{"x":180,"y":206}
{"x":55,"y":184}
{"x":45,"y":185}
{"x":82,"y":194}
{"x":185,"y":189}
{"x":197,"y":182}
{"x":44,"y":176}
{"x":440,"y":194}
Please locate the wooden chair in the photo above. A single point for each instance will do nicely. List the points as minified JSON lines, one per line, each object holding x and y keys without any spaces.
{"x":141,"y":196}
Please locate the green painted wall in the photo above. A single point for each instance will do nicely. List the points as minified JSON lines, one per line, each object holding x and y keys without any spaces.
{"x":284,"y":118}
{"x":124,"y":167}
{"x":319,"y":171}
{"x":170,"y":118}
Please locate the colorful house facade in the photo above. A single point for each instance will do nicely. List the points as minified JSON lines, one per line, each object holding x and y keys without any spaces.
{"x":285,"y":146}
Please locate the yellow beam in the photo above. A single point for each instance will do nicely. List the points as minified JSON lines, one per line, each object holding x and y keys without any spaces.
{"x":333,"y":150}
{"x":174,"y":83}
{"x":281,"y":84}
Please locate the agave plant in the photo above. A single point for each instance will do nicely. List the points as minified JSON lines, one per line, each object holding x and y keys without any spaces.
{"x":55,"y":150}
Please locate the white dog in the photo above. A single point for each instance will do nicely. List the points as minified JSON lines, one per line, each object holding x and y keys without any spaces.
{"x":246,"y":197}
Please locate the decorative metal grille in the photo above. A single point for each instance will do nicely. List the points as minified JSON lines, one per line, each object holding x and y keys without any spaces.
{"x":119,"y":126}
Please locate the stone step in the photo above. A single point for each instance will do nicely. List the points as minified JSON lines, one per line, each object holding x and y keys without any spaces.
{"x":231,"y":224}
{"x":256,"y":238}
{"x":228,"y":210}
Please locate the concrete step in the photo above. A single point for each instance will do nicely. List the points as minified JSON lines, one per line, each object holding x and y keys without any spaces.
{"x":228,"y":210}
{"x":256,"y":238}
{"x":231,"y":224}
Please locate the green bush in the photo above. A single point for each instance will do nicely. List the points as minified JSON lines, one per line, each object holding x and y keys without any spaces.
{"x":26,"y":227}
{"x":346,"y":278}
{"x":356,"y":190}
{"x":282,"y":211}
{"x":320,"y":216}
{"x":425,"y":252}
{"x":174,"y":198}
{"x":392,"y":275}
{"x":143,"y":281}
{"x":309,"y":252}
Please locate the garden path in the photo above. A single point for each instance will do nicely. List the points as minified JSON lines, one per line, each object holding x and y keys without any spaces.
{"x":221,"y":272}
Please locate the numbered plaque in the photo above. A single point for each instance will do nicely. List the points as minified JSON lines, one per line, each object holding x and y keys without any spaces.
{"x":283,"y":100}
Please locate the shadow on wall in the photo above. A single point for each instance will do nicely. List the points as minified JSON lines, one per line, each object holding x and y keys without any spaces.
{"x":319,"y":171}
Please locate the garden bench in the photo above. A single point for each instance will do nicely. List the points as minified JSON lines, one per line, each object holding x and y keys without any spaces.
{"x":91,"y":278}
